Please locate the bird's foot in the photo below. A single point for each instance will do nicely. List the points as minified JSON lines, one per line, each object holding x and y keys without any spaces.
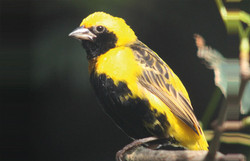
{"x":135,"y":143}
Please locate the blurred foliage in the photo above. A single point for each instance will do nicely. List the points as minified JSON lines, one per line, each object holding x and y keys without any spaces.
{"x":227,"y":79}
{"x":231,"y":77}
{"x":234,"y":20}
{"x":211,"y":108}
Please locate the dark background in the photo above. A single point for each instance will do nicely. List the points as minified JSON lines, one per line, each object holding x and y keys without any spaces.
{"x":48,"y":110}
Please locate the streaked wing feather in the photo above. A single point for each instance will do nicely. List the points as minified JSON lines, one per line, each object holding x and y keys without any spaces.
{"x":159,"y":79}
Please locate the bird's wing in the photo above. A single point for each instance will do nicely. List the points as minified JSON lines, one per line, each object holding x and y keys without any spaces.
{"x":160,"y":80}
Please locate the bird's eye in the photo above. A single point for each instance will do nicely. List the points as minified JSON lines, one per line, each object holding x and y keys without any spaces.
{"x":100,"y":29}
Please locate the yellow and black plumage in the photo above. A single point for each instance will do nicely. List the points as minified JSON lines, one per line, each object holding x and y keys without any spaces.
{"x":137,"y":89}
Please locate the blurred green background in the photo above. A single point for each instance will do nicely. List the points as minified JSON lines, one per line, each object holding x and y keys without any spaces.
{"x":48,"y":110}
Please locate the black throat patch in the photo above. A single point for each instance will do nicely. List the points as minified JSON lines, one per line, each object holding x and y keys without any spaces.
{"x":102,"y":43}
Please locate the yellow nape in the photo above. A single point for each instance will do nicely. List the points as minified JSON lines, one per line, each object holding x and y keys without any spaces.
{"x":125,"y":35}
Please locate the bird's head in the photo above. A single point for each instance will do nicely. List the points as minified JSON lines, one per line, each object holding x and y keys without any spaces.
{"x":100,"y":32}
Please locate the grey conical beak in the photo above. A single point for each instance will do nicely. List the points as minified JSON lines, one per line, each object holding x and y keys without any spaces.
{"x":82,"y":33}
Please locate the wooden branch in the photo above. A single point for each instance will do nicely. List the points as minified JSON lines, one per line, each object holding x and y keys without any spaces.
{"x":144,"y":154}
{"x":232,"y":125}
{"x":215,"y":144}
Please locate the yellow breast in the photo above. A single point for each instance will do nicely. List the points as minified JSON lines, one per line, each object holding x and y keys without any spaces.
{"x":120,"y":65}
